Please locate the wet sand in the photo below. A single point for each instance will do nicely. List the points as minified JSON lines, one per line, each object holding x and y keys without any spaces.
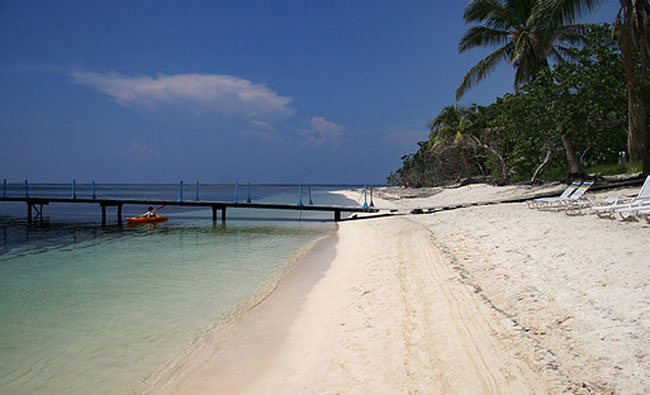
{"x":244,"y":351}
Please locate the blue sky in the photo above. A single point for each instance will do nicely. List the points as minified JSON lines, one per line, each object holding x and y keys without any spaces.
{"x":225,"y":91}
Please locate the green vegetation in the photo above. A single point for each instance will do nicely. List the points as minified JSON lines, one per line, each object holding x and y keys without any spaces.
{"x":588,"y":110}
{"x":610,"y":170}
{"x":524,"y":32}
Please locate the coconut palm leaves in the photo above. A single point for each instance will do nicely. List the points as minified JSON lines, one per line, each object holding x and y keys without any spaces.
{"x":523,"y":32}
{"x":568,"y":10}
{"x":464,"y":129}
{"x":451,"y":130}
{"x":452,"y":127}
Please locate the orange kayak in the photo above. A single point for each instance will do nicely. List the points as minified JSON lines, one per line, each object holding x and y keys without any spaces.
{"x":146,"y":220}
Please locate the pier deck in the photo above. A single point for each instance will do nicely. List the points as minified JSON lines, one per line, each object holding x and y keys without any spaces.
{"x":36,"y":204}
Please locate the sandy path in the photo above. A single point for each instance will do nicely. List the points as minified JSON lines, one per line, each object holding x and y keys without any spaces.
{"x":577,"y":287}
{"x":389,"y":316}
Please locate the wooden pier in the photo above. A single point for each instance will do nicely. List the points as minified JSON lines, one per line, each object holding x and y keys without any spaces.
{"x":35,"y":206}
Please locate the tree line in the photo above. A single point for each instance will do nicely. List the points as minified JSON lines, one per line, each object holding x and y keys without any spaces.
{"x":588,"y":105}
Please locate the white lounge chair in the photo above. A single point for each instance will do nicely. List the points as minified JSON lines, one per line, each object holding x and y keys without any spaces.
{"x":576,"y":198}
{"x":540,"y":202}
{"x":623,"y":207}
{"x":643,"y":213}
{"x":633,"y":210}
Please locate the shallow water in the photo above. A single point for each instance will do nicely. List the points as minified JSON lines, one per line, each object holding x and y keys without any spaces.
{"x":91,"y":309}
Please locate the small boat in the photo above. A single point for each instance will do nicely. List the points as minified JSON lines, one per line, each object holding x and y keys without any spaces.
{"x":146,"y":220}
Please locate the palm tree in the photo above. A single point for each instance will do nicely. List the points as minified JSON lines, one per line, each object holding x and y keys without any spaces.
{"x":633,"y":26}
{"x":450,"y":130}
{"x":525,"y":35}
{"x":460,"y":128}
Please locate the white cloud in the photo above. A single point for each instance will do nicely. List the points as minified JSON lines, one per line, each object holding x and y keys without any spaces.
{"x":204,"y":93}
{"x":263,"y":125}
{"x":260,"y":129}
{"x":322,"y":131}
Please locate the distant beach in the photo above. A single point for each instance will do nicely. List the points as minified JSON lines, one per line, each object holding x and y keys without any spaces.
{"x":492,"y":299}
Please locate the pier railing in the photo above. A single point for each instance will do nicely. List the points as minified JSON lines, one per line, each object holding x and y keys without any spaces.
{"x":217,"y":196}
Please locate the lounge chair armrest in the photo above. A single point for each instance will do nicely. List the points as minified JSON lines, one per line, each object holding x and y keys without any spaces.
{"x":608,"y":201}
{"x":644,"y":201}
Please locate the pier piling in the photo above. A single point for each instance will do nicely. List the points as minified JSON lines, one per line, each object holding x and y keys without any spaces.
{"x":365,"y":196}
{"x":35,"y":204}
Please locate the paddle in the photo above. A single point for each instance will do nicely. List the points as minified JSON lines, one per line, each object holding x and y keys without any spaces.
{"x":154,"y":210}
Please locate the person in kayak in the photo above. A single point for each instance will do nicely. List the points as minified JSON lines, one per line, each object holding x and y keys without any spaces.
{"x":151,"y":213}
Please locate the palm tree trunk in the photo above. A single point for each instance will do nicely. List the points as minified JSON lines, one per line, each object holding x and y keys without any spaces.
{"x":575,"y":168}
{"x":634,"y":24}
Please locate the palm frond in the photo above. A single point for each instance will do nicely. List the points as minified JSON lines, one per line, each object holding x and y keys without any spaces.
{"x":491,"y":13}
{"x":448,"y":116}
{"x":453,"y":128}
{"x":567,"y":11}
{"x":478,"y":36}
{"x":522,"y":9}
{"x":560,"y":54}
{"x":572,"y":34}
{"x":479,"y":10}
{"x":530,"y":32}
{"x":483,"y":68}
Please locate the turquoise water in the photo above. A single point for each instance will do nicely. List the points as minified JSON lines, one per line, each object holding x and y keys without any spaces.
{"x":85,"y":309}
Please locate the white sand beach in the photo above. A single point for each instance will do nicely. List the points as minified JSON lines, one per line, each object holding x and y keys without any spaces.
{"x":489,"y":299}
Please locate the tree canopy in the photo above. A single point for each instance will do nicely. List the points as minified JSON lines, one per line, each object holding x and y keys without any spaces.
{"x":523,"y":32}
{"x":575,"y":111}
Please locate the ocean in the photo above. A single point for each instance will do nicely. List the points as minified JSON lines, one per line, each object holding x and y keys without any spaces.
{"x":92,"y":309}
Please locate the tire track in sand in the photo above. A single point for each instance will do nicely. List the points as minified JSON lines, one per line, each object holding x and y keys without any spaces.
{"x":462,"y":333}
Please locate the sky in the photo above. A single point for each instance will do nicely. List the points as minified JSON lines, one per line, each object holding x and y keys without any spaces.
{"x":314,"y":92}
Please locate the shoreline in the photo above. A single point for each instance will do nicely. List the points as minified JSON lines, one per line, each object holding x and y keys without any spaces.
{"x":242,"y":349}
{"x":346,"y":336}
{"x":494,"y":299}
